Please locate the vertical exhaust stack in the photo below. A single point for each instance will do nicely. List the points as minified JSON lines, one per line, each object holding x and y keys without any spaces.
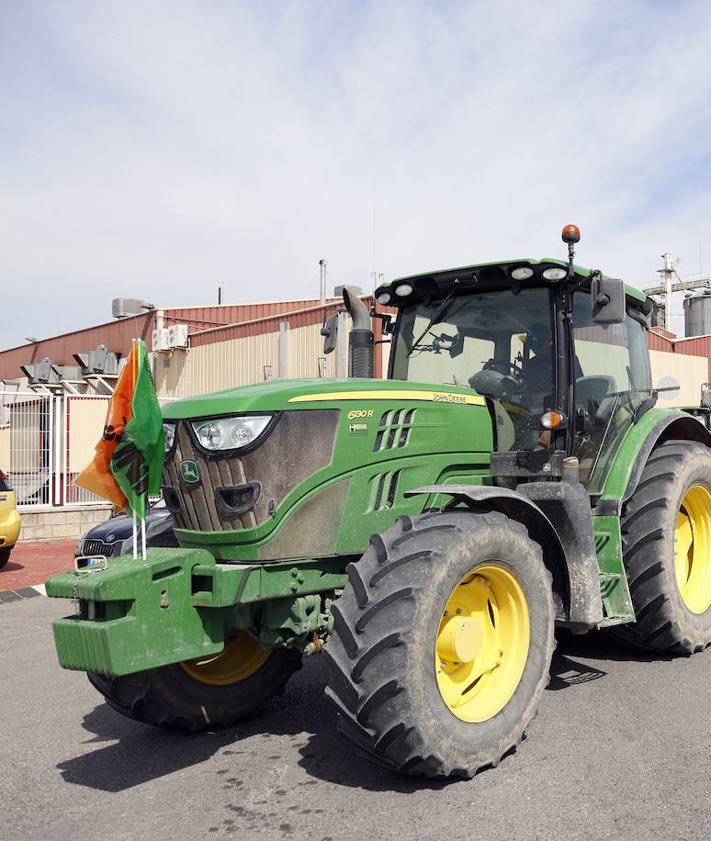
{"x":322,"y":280}
{"x":361,"y":341}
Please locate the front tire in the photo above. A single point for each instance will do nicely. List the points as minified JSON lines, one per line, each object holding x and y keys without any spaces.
{"x":201,"y":694}
{"x":4,"y":556}
{"x":666,"y":541}
{"x":442,"y":643}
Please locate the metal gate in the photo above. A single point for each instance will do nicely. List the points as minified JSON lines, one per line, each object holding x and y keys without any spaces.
{"x":46,"y":440}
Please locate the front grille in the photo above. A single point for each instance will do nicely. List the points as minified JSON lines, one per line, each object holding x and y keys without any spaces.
{"x":98,"y":547}
{"x":299,"y":444}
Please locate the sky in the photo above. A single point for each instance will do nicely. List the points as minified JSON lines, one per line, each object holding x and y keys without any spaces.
{"x":159,"y":150}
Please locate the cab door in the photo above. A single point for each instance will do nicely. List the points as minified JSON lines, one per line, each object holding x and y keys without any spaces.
{"x":612,"y":379}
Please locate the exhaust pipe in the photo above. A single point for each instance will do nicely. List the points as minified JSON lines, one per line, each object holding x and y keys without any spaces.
{"x":361,"y":341}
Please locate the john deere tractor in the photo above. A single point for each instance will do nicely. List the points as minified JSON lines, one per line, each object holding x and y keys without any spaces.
{"x":427,"y":531}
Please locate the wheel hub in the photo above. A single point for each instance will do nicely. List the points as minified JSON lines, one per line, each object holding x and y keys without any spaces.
{"x":482,"y":643}
{"x":461,"y":639}
{"x":692,"y":549}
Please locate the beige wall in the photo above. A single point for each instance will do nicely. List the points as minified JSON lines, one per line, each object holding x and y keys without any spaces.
{"x":221,"y":365}
{"x":691,"y":371}
{"x":85,"y":425}
{"x":4,"y":447}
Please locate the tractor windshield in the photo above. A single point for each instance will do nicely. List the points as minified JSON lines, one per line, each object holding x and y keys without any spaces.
{"x":498,"y":343}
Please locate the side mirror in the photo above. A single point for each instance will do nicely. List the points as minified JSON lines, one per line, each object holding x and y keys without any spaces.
{"x":608,"y":300}
{"x":330,"y":331}
{"x":457,"y":346}
{"x":668,"y":388}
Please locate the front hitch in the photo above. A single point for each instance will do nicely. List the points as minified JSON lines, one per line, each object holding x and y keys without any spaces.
{"x":136,"y":614}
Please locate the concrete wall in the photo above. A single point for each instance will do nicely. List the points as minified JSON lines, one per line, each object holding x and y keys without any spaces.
{"x":61,"y":523}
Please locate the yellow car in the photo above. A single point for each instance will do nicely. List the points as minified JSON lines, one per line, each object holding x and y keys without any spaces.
{"x":9,"y":520}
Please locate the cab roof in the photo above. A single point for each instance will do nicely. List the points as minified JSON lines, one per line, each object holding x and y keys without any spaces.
{"x":486,"y":276}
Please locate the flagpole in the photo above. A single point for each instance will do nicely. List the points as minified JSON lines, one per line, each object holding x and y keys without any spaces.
{"x":143,"y":531}
{"x":135,"y":535}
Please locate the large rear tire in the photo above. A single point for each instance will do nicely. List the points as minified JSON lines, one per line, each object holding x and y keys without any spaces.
{"x":201,"y":694}
{"x":442,"y":643}
{"x":666,"y":542}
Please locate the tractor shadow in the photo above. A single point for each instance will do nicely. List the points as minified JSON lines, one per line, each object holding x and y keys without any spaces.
{"x":568,"y":670}
{"x":297,"y":728}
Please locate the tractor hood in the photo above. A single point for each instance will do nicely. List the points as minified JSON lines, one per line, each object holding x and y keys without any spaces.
{"x":279,"y":395}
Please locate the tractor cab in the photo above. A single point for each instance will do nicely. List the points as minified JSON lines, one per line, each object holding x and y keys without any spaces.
{"x":558,"y":352}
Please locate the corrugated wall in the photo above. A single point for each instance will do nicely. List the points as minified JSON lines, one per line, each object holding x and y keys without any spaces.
{"x":242,"y":361}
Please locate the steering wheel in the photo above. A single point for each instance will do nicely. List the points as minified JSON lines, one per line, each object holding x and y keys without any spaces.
{"x":492,"y":381}
{"x":511,"y":369}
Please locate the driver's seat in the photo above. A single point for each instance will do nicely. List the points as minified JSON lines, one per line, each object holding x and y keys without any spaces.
{"x":592,"y":393}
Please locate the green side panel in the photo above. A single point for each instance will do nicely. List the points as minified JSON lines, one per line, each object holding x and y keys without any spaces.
{"x":135,"y":614}
{"x":613,"y":580}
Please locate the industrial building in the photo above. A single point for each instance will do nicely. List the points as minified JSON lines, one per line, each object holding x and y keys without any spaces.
{"x":53,"y":392}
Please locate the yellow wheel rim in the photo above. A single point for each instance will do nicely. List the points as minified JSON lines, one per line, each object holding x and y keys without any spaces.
{"x":237,"y":661}
{"x":692,"y":549}
{"x":482,"y":643}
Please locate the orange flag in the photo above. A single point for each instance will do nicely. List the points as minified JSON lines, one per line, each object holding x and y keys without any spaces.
{"x":97,"y":476}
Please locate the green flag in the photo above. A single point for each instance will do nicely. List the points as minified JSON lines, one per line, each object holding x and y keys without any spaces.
{"x":137,"y":461}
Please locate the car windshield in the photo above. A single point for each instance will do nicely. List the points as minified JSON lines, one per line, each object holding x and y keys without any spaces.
{"x":498,"y":343}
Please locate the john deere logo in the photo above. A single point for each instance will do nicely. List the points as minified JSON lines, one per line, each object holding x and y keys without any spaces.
{"x":189,"y":471}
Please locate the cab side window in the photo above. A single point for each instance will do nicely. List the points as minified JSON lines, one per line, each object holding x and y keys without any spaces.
{"x":612,"y":380}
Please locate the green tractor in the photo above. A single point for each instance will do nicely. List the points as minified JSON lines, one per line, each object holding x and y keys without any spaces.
{"x":428,"y":531}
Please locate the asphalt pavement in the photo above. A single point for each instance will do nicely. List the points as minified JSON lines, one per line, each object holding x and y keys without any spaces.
{"x":621,"y":749}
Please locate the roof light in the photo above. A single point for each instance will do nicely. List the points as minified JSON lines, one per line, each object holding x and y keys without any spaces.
{"x":570,"y":234}
{"x":555,"y":274}
{"x":522,"y":273}
{"x":403,"y":290}
{"x":384,"y":298}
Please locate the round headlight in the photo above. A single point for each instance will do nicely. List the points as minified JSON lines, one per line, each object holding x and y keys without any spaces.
{"x":384,"y":298}
{"x":555,"y":274}
{"x":522,"y":273}
{"x":169,"y":436}
{"x":210,"y":436}
{"x":403,"y":290}
{"x":241,"y":435}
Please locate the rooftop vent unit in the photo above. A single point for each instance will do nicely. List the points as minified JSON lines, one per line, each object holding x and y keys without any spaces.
{"x":42,"y":373}
{"x":101,"y":361}
{"x":126,"y":307}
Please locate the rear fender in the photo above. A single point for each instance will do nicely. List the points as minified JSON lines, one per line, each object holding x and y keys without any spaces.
{"x":653,"y":428}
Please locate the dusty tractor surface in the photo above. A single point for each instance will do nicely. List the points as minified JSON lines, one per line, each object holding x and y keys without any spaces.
{"x":427,"y":531}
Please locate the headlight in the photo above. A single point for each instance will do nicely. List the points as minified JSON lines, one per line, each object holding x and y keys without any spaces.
{"x":555,"y":274}
{"x":169,"y":436}
{"x":230,"y":433}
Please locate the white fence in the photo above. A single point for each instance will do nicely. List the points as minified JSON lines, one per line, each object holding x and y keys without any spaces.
{"x":46,"y":440}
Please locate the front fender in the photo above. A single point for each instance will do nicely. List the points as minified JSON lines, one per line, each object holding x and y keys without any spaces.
{"x":523,"y":510}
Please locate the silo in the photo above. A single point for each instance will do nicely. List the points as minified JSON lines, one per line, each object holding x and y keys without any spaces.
{"x":697,"y":315}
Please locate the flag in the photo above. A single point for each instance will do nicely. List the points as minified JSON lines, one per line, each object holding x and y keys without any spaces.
{"x":129,"y":457}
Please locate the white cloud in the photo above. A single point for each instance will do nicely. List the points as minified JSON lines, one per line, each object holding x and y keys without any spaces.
{"x":159,"y":150}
